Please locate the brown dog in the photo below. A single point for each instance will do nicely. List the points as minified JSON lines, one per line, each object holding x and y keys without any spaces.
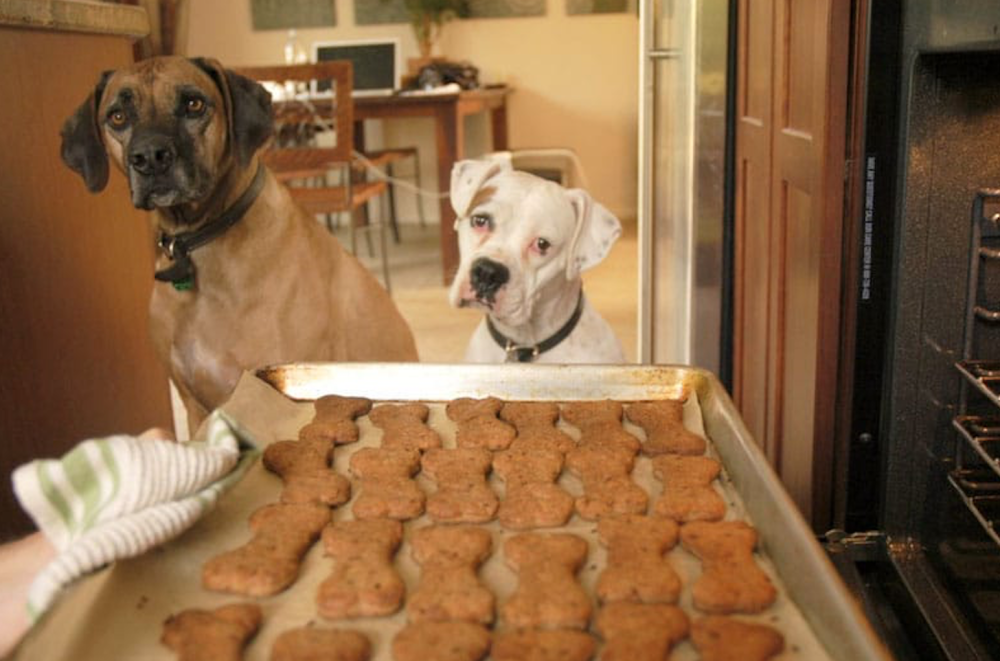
{"x":245,"y":277}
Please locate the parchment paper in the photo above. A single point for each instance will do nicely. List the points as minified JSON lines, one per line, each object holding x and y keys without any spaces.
{"x":118,"y":612}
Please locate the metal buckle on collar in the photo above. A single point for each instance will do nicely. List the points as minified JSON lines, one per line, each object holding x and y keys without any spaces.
{"x":168,"y":244}
{"x":516,"y":354}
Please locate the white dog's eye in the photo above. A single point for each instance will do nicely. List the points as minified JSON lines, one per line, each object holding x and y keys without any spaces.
{"x":542,"y":245}
{"x":481,"y":221}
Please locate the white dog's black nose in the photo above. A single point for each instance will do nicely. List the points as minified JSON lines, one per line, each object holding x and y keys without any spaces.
{"x":486,"y":277}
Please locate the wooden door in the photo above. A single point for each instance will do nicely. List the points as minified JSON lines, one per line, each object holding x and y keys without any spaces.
{"x":791,"y":116}
{"x":77,"y":358}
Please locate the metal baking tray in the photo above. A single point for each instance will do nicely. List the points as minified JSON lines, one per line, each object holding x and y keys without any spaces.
{"x":807,"y":574}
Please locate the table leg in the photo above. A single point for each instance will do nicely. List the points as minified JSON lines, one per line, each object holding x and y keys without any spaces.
{"x":450,"y":148}
{"x":498,"y":121}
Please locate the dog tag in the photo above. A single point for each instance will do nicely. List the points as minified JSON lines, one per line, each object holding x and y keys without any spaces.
{"x":183,"y":285}
{"x":180,"y":274}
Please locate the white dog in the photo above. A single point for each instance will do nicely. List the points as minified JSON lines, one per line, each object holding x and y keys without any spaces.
{"x":523,"y":242}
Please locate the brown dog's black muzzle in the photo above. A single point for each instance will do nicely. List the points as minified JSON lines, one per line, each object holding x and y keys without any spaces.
{"x":151,"y":154}
{"x":161,"y":168}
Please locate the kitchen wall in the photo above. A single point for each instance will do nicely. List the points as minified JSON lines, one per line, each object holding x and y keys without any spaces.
{"x":575,"y":80}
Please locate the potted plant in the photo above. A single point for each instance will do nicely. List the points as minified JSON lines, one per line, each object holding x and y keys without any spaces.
{"x":428,"y":17}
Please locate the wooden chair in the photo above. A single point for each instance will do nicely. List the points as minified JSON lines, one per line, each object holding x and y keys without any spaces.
{"x":385,"y":160}
{"x":320,"y":176}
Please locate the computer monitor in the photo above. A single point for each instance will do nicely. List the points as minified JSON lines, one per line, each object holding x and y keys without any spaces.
{"x":376,"y":63}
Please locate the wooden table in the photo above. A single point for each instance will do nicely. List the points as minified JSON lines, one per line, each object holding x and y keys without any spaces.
{"x":448,"y":111}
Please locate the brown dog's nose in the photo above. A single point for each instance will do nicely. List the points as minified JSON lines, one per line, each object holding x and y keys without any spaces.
{"x":487,"y":276}
{"x":151,"y":154}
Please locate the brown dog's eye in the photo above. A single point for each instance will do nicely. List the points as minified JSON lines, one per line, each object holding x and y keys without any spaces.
{"x":194,"y":106}
{"x":117,"y":119}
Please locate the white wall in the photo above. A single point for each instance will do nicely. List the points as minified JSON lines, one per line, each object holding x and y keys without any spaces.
{"x":575,"y":80}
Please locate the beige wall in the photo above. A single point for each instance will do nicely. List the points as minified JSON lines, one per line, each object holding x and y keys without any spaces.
{"x":575,"y":81}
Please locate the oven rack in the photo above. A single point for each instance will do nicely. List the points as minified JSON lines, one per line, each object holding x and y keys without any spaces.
{"x":979,"y":486}
{"x":983,"y":436}
{"x":978,"y":483}
{"x":984,"y":375}
{"x":981,"y":497}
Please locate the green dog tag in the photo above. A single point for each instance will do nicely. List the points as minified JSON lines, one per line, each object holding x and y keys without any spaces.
{"x":184,"y":285}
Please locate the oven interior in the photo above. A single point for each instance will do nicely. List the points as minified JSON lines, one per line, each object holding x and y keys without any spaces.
{"x":926,"y":473}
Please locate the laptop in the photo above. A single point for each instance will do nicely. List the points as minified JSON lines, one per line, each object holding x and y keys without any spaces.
{"x":377,"y":69}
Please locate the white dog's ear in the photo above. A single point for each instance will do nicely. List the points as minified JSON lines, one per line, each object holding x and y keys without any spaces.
{"x":597,"y":229}
{"x":467,"y":177}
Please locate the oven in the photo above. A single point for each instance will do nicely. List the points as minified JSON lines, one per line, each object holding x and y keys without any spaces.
{"x":920,"y":498}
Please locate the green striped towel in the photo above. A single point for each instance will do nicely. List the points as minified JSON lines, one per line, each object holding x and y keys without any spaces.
{"x":117,"y":497}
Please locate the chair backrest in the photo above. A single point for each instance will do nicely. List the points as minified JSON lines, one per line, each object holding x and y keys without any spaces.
{"x":294,"y":107}
{"x":557,"y":164}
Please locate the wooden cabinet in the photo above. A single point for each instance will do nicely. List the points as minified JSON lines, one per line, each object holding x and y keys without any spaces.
{"x":790,"y":159}
{"x":77,"y":268}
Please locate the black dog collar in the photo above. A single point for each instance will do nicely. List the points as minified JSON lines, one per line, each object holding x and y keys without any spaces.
{"x":521,"y":354}
{"x":179,"y":246}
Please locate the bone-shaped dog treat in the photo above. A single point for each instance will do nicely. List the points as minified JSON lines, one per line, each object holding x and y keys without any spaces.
{"x":364,"y":582}
{"x":536,"y":426}
{"x":719,"y":638}
{"x":640,"y":632}
{"x":441,"y":641}
{"x":532,"y":498}
{"x":539,"y":645}
{"x":730,"y":580}
{"x":334,"y":419}
{"x":449,"y":589}
{"x":687,"y":488}
{"x":405,"y":426}
{"x":269,"y":562}
{"x":548,"y":595}
{"x":478,"y":424}
{"x":218,"y":635}
{"x":637,"y":569}
{"x":600,"y":424}
{"x":663,"y":422}
{"x":463,"y":495}
{"x":387,"y":488}
{"x":306,"y":469}
{"x":315,"y":644}
{"x":607,"y":484}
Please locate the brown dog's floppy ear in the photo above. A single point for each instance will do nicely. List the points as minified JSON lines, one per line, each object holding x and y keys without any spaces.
{"x":82,"y":147}
{"x":248,"y":109}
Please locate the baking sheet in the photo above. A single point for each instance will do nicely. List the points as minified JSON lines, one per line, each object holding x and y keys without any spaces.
{"x":118,"y":613}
